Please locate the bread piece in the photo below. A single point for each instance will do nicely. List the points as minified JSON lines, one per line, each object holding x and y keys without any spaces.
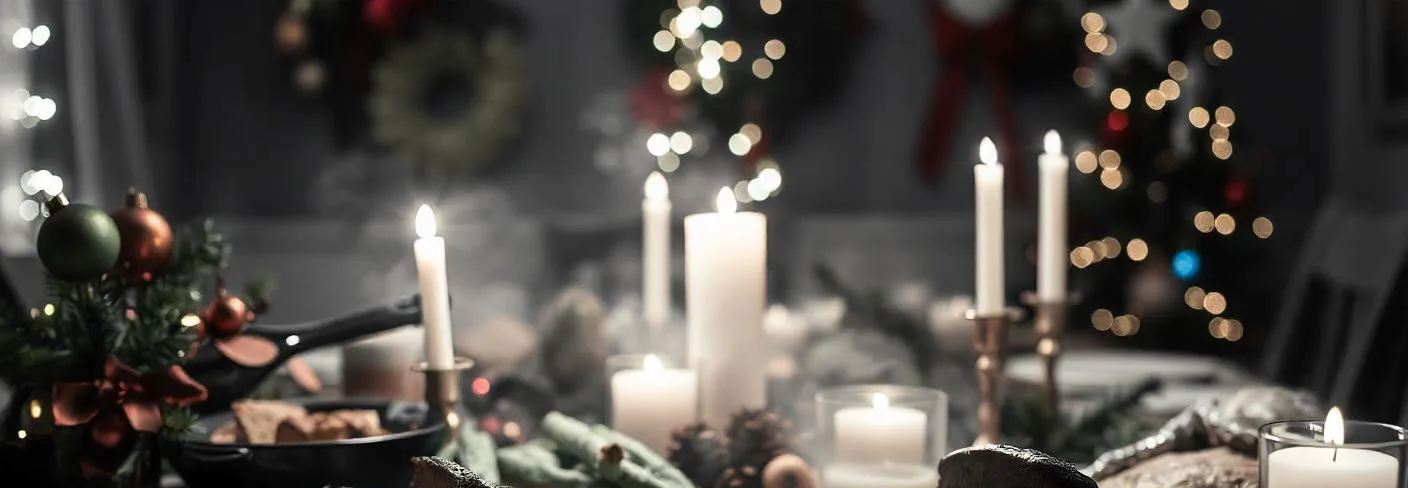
{"x":364,"y":423}
{"x":258,"y":421}
{"x":225,"y":434}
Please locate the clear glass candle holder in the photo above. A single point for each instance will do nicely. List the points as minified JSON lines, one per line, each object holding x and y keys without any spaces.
{"x":880,"y":436}
{"x":650,"y":395}
{"x":1296,"y":454}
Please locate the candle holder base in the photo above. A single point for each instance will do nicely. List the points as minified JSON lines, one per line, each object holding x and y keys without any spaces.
{"x":442,"y":392}
{"x":990,"y":342}
{"x":1050,"y":327}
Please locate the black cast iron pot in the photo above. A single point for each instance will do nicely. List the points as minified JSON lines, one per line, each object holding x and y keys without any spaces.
{"x":374,"y":462}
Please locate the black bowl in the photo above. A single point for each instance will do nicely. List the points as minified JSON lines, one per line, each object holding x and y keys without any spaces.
{"x":379,"y":461}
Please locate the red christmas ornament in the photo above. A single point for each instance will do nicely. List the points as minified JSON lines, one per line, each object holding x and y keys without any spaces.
{"x":226,"y":316}
{"x":654,"y":104}
{"x":1235,"y":192}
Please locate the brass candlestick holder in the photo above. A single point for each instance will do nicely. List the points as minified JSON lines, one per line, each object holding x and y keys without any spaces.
{"x":442,"y":391}
{"x":990,"y":342}
{"x":1050,"y":326}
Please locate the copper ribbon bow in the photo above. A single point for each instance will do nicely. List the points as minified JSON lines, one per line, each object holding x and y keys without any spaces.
{"x":967,"y":48}
{"x":123,"y":398}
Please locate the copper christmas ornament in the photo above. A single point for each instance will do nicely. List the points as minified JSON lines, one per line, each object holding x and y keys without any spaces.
{"x":147,"y":241}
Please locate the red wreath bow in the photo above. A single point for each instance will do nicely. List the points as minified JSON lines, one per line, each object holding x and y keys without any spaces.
{"x":969,"y":48}
{"x":123,"y":398}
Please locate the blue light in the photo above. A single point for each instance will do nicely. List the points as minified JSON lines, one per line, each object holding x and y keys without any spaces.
{"x":1186,"y":264}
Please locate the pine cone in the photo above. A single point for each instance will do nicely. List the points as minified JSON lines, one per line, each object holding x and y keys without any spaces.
{"x":700,"y":453}
{"x":756,"y":436}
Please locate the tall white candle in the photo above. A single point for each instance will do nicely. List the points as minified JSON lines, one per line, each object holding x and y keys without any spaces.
{"x":880,"y":433}
{"x":1318,"y":467}
{"x":655,"y":252}
{"x":648,"y":403}
{"x":1051,"y":251}
{"x":434,"y":291}
{"x":879,"y":476}
{"x":725,"y":295}
{"x":987,"y":180}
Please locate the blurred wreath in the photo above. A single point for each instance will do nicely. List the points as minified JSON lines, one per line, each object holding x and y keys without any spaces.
{"x":775,"y":65}
{"x":448,"y":101}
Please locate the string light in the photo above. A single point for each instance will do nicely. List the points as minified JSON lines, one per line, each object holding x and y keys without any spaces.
{"x":1170,"y":89}
{"x":1155,"y":99}
{"x":762,"y":68}
{"x":1217,"y":327}
{"x":1225,"y":224}
{"x":1084,"y":77}
{"x":657,"y":144}
{"x":1221,"y":149}
{"x":1092,"y":22}
{"x":771,"y":7}
{"x":1082,"y":256}
{"x":713,"y":85}
{"x":1194,"y":297}
{"x":739,"y":144}
{"x":1097,"y":42}
{"x":679,"y":80}
{"x":1177,"y":70}
{"x":1222,"y":49}
{"x":711,"y":49}
{"x":681,"y":142}
{"x":1110,"y":247}
{"x":708,"y":68}
{"x":1109,"y":159}
{"x":1234,"y":330}
{"x":1119,"y":98}
{"x":1110,"y":46}
{"x":1225,"y":116}
{"x":732,"y":51}
{"x":1137,"y":249}
{"x":1215,"y":303}
{"x":775,"y":49}
{"x":1086,"y":162}
{"x":1112,"y":178}
{"x":1211,"y":19}
{"x":664,"y":41}
{"x":668,"y":162}
{"x":1178,"y":4}
{"x":1102,"y":319}
{"x":711,"y":17}
{"x":1203,"y":221}
{"x":1198,"y":116}
{"x":752,"y":131}
{"x":1186,"y":264}
{"x":1262,"y":227}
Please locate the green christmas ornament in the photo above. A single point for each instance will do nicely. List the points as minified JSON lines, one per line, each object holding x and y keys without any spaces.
{"x":77,"y":242}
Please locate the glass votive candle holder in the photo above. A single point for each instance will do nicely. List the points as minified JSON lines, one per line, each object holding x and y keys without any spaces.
{"x":880,"y":436}
{"x":649,"y":396}
{"x":1316,"y":454}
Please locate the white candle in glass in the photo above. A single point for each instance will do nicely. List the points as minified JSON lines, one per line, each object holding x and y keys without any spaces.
{"x":987,"y":179}
{"x":648,"y":403}
{"x":1051,"y":236}
{"x":1318,"y":467}
{"x":434,"y":292}
{"x":655,"y":253}
{"x":725,"y":295}
{"x":879,"y":476}
{"x":880,"y":433}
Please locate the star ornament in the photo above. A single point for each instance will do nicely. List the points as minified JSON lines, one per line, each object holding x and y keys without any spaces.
{"x":1140,"y":28}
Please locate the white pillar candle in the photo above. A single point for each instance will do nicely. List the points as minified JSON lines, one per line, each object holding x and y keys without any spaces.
{"x":879,"y":476}
{"x":1051,"y":251}
{"x":725,"y":293}
{"x":987,"y":179}
{"x":434,"y":292}
{"x":1318,"y":467}
{"x":880,"y":433}
{"x":648,"y":403}
{"x":655,"y":253}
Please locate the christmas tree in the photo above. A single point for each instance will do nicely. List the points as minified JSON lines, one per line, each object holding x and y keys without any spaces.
{"x":1170,"y":228}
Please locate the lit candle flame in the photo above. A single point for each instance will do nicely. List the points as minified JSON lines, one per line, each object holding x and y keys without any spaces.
{"x":652,"y":363}
{"x":425,"y":222}
{"x":987,"y":151}
{"x":725,"y":203}
{"x":1052,"y":142}
{"x":880,"y":401}
{"x":1334,"y":427}
{"x":656,"y":188}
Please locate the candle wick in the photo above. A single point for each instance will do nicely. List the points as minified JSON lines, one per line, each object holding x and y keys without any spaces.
{"x":1336,"y":455}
